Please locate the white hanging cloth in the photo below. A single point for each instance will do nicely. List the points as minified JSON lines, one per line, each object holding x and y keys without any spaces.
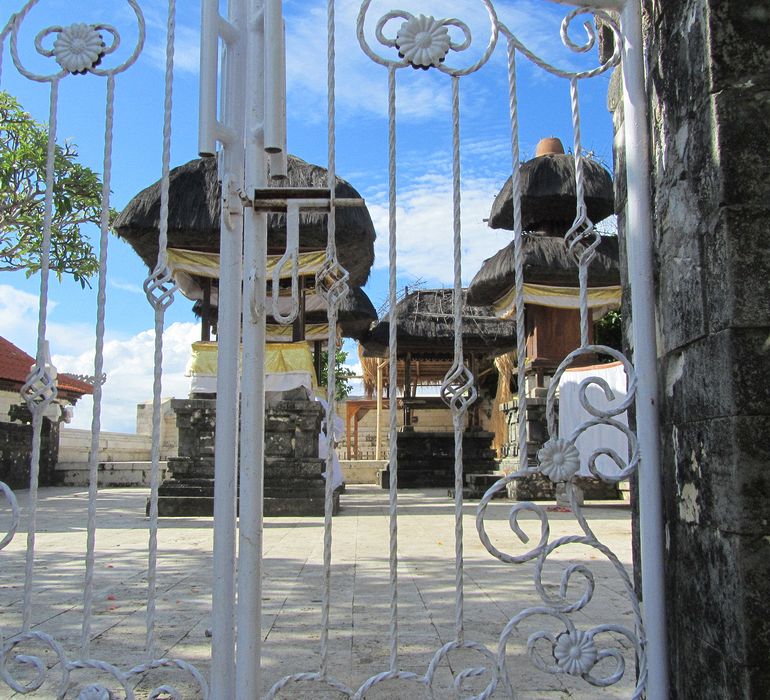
{"x":572,"y":414}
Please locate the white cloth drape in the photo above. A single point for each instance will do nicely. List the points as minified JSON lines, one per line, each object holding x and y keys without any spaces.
{"x":572,"y":414}
{"x":338,"y":432}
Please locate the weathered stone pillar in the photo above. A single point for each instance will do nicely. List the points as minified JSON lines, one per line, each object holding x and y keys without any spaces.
{"x":709,"y":81}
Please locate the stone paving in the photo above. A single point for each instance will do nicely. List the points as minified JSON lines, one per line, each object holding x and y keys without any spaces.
{"x":494,"y":591}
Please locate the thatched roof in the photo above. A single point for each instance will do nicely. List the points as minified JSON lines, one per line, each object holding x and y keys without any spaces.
{"x":194,"y":206}
{"x":426,"y":328}
{"x":548,"y":201}
{"x":548,"y":261}
{"x":356,"y":314}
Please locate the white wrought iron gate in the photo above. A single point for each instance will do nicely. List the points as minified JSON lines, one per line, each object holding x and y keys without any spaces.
{"x":242,"y":122}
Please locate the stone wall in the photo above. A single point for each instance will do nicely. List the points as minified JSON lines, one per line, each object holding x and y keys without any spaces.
{"x":709,"y":84}
{"x":169,"y":436}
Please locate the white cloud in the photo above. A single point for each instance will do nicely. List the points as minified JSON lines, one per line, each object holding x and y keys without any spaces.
{"x":186,"y":48}
{"x":425,"y":229}
{"x":129,"y":366}
{"x":126,"y":286}
{"x":18,"y":312}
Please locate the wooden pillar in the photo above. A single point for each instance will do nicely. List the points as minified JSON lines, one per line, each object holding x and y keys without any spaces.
{"x":407,"y":388}
{"x":378,"y":434}
{"x":298,"y":327}
{"x":206,"y":310}
{"x":318,"y":360}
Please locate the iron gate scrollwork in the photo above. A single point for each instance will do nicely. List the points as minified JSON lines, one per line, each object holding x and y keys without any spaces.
{"x":250,"y":118}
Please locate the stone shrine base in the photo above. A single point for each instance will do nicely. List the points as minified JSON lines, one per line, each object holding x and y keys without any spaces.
{"x":426,"y":458}
{"x":293,"y":473}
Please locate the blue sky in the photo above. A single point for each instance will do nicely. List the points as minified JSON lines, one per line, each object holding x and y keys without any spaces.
{"x":424,"y":158}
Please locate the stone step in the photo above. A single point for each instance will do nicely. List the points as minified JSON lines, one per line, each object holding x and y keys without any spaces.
{"x":417,"y":478}
{"x":284,"y":506}
{"x":109,"y":473}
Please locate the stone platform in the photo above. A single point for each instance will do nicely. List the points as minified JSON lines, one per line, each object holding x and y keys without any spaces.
{"x":426,"y":458}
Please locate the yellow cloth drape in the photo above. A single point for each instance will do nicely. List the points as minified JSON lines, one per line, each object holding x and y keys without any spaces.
{"x":280,"y":358}
{"x":194,"y":262}
{"x":277,"y":333}
{"x":605,"y":298}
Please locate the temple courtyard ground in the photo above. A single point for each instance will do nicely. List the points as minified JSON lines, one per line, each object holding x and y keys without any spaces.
{"x":494,"y":591}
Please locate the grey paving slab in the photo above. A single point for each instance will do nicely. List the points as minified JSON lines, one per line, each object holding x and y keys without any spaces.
{"x":494,"y":592}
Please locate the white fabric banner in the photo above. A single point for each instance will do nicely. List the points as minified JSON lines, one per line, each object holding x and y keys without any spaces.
{"x":572,"y":414}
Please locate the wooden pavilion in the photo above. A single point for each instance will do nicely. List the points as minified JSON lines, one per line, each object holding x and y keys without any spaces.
{"x":425,"y":345}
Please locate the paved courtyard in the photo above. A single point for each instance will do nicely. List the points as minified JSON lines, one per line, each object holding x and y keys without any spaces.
{"x":293,"y":547}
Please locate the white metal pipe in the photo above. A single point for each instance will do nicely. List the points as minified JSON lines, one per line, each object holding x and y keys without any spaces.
{"x":248,"y":665}
{"x":279,"y":162}
{"x":639,"y":237}
{"x":209,"y":68}
{"x":290,"y":257}
{"x":228,"y":337}
{"x":275,"y":88}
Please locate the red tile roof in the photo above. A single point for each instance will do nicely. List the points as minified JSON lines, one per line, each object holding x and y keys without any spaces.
{"x":15,"y":364}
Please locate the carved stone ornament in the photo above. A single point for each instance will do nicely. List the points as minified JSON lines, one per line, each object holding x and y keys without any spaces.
{"x":423,"y":41}
{"x":575,"y":652}
{"x":559,"y":460}
{"x":78,"y":48}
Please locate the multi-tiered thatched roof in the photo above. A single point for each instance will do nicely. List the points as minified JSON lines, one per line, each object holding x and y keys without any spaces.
{"x":194,"y":213}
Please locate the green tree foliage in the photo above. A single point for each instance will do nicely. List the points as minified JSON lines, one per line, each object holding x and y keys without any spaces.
{"x":76,"y":196}
{"x":342,"y":374}
{"x":609,"y":331}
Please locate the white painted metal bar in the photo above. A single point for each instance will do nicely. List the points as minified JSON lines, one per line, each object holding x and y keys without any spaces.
{"x":250,"y":524}
{"x":639,"y":239}
{"x":518,"y":257}
{"x":101,"y":301}
{"x":209,"y":70}
{"x":458,"y":412}
{"x":275,"y":85}
{"x":392,"y":372}
{"x":228,"y":337}
{"x":213,"y":26}
{"x":160,"y":292}
{"x":38,"y":404}
{"x":279,"y":162}
{"x":332,"y":300}
{"x":290,"y":257}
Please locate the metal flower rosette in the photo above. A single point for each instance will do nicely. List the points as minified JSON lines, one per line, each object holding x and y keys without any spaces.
{"x":33,"y":662}
{"x":561,"y":645}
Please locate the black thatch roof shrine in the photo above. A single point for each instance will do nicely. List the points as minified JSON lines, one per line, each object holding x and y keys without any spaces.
{"x":194,"y":213}
{"x":426,"y":328}
{"x":548,"y":199}
{"x":546,"y":260}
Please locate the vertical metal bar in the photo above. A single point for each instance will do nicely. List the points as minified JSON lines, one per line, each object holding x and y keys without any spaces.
{"x":518,"y":253}
{"x":42,"y":358}
{"x":392,"y":372}
{"x":274,"y":115}
{"x":249,"y":648}
{"x":209,"y":66}
{"x":101,"y":301}
{"x":639,"y":241}
{"x":226,"y":443}
{"x":457,"y":310}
